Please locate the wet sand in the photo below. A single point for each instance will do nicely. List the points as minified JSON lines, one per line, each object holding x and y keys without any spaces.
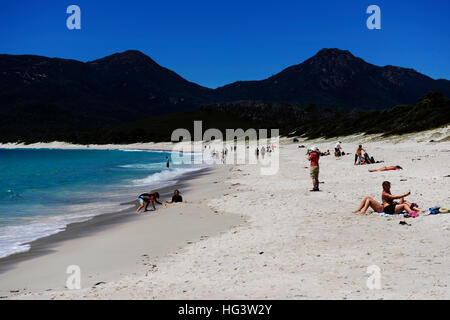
{"x":114,"y":245}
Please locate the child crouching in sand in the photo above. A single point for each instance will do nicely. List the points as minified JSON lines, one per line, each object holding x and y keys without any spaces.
{"x":145,"y":199}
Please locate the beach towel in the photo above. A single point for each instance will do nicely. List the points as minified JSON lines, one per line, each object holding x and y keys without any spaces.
{"x":383,"y":214}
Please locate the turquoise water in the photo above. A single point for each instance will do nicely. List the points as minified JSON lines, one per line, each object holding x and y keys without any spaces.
{"x":42,"y":190}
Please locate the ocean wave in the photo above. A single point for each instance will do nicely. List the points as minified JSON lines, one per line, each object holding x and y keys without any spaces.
{"x":144,"y":166}
{"x":167,"y":176}
{"x":139,"y":150}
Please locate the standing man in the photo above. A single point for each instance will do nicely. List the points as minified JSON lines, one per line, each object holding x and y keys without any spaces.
{"x":313,"y":157}
{"x":167,"y":162}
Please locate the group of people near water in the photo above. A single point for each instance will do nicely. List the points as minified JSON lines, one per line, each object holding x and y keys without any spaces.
{"x":146,"y":199}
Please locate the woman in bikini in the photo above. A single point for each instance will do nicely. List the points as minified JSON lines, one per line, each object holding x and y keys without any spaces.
{"x":390,"y":206}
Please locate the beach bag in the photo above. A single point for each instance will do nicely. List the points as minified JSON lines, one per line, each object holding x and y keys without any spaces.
{"x":434,"y":210}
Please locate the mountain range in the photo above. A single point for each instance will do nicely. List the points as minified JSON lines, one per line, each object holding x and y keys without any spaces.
{"x":40,"y":95}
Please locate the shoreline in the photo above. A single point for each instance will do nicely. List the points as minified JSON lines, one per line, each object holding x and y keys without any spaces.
{"x":83,"y":228}
{"x":75,"y":211}
{"x":25,"y":272}
{"x":140,"y":146}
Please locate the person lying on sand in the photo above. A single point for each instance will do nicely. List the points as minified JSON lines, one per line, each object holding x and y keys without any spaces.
{"x":414,"y":206}
{"x":146,"y":198}
{"x":390,"y":206}
{"x":387,"y":169}
{"x":176,"y":197}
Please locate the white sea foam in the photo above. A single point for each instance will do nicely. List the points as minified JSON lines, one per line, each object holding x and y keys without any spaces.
{"x":15,"y":238}
{"x":165,"y":177}
{"x":144,"y":166}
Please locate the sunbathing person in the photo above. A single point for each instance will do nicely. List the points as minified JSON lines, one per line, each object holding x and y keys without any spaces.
{"x":369,"y":202}
{"x":387,"y":169}
{"x":389,"y":205}
{"x":414,"y":206}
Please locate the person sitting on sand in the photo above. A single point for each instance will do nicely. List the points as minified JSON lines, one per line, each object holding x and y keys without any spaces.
{"x":337,"y":149}
{"x":145,"y":199}
{"x":389,"y":205}
{"x":367,"y":159}
{"x":369,"y":202}
{"x":390,"y":168}
{"x":176,"y":197}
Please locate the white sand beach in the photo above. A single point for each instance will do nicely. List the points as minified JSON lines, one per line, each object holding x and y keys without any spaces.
{"x":269,"y":237}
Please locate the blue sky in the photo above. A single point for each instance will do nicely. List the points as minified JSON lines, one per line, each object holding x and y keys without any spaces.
{"x":218,"y":42}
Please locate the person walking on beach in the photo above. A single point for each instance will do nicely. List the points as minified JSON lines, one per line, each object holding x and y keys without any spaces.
{"x":145,"y":199}
{"x":313,"y":157}
{"x":167,"y":162}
